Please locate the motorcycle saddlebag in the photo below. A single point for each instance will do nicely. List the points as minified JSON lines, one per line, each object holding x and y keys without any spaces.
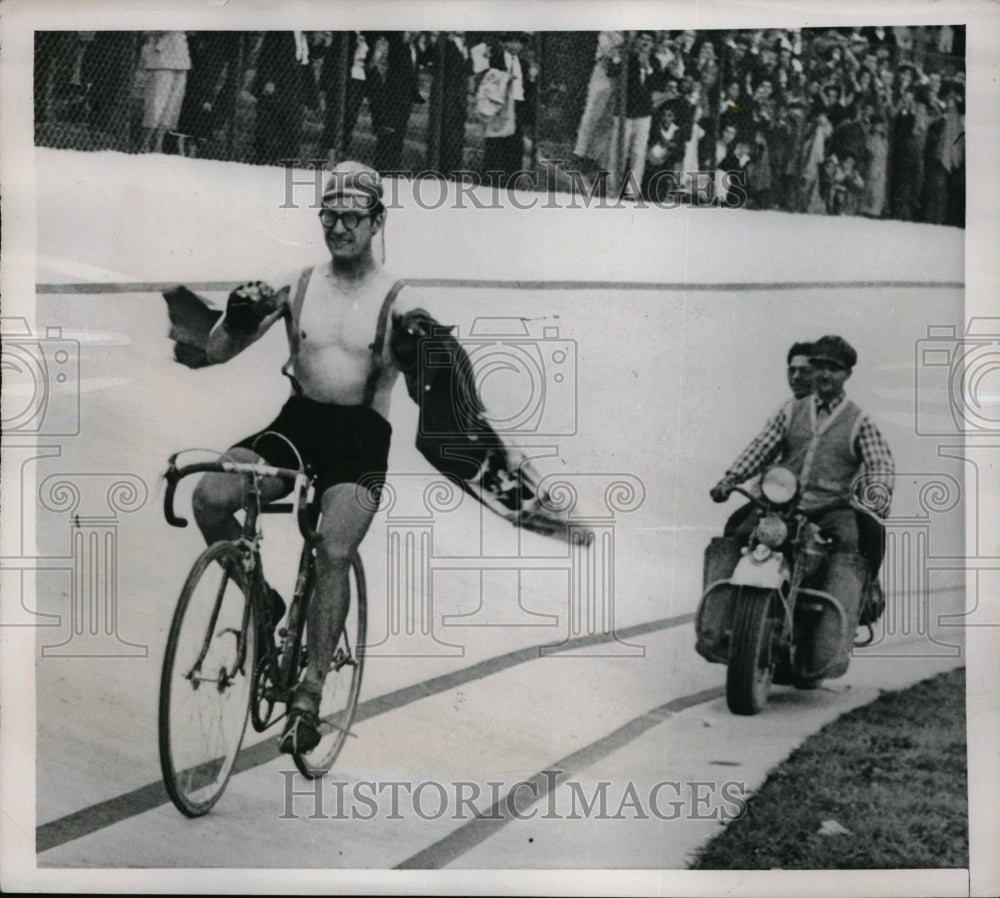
{"x":826,"y":651}
{"x":721,"y":557}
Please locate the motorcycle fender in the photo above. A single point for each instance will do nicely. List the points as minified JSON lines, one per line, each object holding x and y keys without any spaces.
{"x":771,"y":573}
{"x":714,"y":621}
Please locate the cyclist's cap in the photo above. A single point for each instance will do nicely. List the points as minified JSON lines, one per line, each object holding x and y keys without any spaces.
{"x":834,"y":349}
{"x":353,"y":179}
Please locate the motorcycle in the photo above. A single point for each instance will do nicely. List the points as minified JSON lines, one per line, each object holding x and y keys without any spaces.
{"x":768,"y":609}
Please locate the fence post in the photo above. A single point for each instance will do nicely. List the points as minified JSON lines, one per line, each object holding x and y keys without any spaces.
{"x":237,"y":81}
{"x":539,"y":86}
{"x":617,"y":179}
{"x":117,"y":77}
{"x":343,"y":39}
{"x":436,"y":123}
{"x":713,"y":97}
{"x":723,"y":64}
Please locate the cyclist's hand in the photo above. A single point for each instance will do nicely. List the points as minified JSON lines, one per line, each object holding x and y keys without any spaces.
{"x":247,"y":306}
{"x":407,"y":332}
{"x":722,"y":490}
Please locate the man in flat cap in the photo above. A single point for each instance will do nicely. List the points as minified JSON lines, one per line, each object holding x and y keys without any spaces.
{"x":845,"y":469}
{"x":336,"y":415}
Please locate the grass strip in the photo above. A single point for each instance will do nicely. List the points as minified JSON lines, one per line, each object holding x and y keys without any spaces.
{"x":892,"y":773}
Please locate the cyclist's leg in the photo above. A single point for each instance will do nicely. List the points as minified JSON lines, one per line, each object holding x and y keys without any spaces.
{"x":218,"y":497}
{"x":347,"y":514}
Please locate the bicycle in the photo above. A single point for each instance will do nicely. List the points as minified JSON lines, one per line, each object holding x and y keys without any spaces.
{"x":223,"y":663}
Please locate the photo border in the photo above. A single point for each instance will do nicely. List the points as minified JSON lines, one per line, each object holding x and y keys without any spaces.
{"x":982,"y":266}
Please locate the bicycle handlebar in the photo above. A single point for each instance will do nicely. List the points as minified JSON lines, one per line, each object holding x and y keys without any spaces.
{"x":301,"y":480}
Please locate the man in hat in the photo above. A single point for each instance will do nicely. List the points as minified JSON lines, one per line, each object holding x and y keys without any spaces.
{"x":336,"y":414}
{"x":844,"y":466}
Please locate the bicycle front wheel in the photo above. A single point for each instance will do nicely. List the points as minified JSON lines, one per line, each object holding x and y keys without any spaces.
{"x":343,"y":682}
{"x":206,"y":682}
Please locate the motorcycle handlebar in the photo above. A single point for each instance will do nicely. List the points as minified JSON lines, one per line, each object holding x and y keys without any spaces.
{"x":760,"y":503}
{"x":174,"y":475}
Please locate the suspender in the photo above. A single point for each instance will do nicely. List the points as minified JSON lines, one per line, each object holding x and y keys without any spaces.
{"x":379,"y":345}
{"x":377,"y":348}
{"x":300,"y":294}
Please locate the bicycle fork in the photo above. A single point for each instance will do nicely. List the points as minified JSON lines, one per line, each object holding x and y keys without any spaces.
{"x":224,"y":677}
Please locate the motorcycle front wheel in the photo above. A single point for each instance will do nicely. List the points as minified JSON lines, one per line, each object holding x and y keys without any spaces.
{"x":752,"y":656}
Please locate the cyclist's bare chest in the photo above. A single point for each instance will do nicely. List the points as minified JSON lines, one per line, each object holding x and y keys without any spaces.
{"x":332,"y":319}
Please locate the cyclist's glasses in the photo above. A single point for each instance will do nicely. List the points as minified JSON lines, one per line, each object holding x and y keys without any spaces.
{"x":350,"y":219}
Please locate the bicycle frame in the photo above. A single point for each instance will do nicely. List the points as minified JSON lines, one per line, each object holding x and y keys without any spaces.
{"x":291,"y":645}
{"x":258,"y":673}
{"x":249,"y":541}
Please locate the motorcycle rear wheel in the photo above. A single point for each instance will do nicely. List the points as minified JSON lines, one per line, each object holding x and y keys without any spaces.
{"x":752,"y":656}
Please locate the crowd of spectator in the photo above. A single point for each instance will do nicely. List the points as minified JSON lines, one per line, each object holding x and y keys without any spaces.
{"x":295,"y":71}
{"x":847,"y":121}
{"x":854,"y":121}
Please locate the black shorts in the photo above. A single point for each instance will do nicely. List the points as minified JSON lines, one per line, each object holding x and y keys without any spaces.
{"x":338,"y":443}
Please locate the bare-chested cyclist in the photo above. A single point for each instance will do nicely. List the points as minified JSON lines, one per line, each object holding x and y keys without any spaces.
{"x":336,"y":416}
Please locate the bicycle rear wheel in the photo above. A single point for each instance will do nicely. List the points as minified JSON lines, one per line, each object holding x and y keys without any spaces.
{"x":343,"y":682}
{"x":206,"y":682}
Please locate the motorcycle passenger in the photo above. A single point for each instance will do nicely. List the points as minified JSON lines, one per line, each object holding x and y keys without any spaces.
{"x":828,"y":441}
{"x":799,"y":374}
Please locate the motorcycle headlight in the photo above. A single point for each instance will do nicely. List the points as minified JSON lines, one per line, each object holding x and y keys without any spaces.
{"x":772,"y":531}
{"x":779,"y":485}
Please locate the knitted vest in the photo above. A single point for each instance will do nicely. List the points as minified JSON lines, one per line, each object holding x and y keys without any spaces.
{"x":822,"y":453}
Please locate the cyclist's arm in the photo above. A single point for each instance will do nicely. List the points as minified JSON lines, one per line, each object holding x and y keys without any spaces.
{"x":224,"y":343}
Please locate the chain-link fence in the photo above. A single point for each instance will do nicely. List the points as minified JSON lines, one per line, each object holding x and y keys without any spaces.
{"x":865,"y":121}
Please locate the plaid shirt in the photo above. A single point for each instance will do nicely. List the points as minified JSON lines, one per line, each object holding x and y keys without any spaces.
{"x":872,"y":490}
